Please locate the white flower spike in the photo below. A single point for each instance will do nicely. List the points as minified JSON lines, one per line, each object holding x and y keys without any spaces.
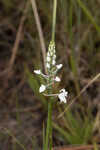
{"x":42,"y":88}
{"x":51,"y":77}
{"x":37,"y":71}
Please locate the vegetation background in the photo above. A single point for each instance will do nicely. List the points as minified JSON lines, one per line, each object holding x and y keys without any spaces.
{"x":22,"y":109}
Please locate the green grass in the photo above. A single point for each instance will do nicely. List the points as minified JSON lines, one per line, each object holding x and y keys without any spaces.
{"x":78,"y":44}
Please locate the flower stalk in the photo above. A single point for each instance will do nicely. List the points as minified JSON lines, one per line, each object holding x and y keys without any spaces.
{"x":54,"y":19}
{"x":50,"y":64}
{"x":46,"y":89}
{"x":50,"y":79}
{"x":50,"y":103}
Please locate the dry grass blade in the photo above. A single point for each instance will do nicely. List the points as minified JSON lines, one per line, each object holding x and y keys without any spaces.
{"x":18,"y":37}
{"x":17,"y":141}
{"x":40,"y":32}
{"x":17,"y":42}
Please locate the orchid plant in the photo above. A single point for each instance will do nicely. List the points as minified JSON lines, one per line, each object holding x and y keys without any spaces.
{"x":51,"y":77}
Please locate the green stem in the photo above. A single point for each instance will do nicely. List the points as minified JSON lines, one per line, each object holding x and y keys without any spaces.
{"x":54,"y":19}
{"x":49,"y":126}
{"x":48,"y":140}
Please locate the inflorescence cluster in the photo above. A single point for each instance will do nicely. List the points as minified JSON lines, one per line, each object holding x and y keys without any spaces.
{"x":51,"y":77}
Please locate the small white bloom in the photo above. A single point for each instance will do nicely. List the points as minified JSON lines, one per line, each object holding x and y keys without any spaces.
{"x":37,"y":71}
{"x":63,"y":95}
{"x":53,"y":62}
{"x":64,"y":91}
{"x":57,"y":79}
{"x":42,"y":88}
{"x":48,"y":65}
{"x":59,"y":66}
{"x":48,"y":59}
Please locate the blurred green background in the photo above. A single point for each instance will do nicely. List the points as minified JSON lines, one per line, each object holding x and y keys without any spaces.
{"x":22,"y":109}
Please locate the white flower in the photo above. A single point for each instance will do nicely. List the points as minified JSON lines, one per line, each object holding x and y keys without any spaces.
{"x":48,"y":58}
{"x":59,"y":66}
{"x":63,"y":95}
{"x":53,"y":62}
{"x":42,"y":88}
{"x":37,"y":71}
{"x":48,"y":65}
{"x":57,"y":79}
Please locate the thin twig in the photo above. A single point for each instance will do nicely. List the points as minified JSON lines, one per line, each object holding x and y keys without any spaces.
{"x":40,"y":32}
{"x":18,"y":37}
{"x":81,"y":92}
{"x":17,"y":141}
{"x":16,"y":43}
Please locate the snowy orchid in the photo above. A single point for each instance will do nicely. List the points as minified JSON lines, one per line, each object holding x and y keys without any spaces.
{"x":52,"y":70}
